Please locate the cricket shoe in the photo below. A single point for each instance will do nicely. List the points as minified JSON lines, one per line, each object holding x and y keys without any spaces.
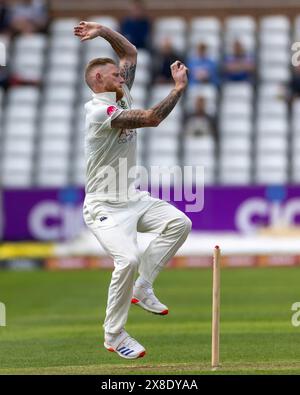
{"x":145,"y":298}
{"x":125,"y":346}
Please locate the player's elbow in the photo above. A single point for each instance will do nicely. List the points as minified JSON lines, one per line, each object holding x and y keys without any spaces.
{"x":132,"y":53}
{"x":134,"y":50}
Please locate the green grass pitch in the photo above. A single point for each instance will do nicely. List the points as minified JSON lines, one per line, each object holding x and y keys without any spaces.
{"x":54,"y":323}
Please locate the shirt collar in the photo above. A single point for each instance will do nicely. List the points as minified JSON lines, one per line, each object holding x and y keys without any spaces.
{"x":107,"y":96}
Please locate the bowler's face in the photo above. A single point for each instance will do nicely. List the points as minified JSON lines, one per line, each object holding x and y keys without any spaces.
{"x":113,"y":82}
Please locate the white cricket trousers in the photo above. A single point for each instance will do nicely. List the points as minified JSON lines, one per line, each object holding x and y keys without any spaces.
{"x":115,"y":225}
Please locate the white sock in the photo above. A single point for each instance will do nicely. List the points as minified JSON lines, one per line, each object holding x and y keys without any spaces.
{"x":141,"y":282}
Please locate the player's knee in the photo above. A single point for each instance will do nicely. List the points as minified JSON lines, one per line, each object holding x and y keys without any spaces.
{"x":183,"y":226}
{"x":132,"y":262}
{"x":186,"y":225}
{"x":128,"y":263}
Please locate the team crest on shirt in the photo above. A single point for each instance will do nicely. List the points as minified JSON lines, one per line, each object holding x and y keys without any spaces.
{"x":126,"y":135}
{"x":123,"y":104}
{"x":111,"y":109}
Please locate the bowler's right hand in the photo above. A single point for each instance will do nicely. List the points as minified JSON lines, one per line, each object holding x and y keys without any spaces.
{"x":179,"y":74}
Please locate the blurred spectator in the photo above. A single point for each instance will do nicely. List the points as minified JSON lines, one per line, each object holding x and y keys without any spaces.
{"x":29,"y":16}
{"x":200,"y":123}
{"x":4,"y":17}
{"x":295,"y":82}
{"x":240,"y":65}
{"x":4,"y":77}
{"x":202,"y":68}
{"x":163,"y":58}
{"x":136,"y":27}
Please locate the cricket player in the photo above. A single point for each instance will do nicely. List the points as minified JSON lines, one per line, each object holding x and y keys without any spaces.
{"x":114,"y":209}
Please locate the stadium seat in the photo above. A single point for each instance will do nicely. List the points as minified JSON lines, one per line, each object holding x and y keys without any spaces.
{"x":271,"y":91}
{"x":275,"y":40}
{"x":53,"y":163}
{"x":63,"y":26}
{"x":57,"y":93}
{"x":25,"y":112}
{"x":30,"y":43}
{"x":243,"y":23}
{"x":47,"y":179}
{"x":97,"y":48}
{"x":236,"y":126}
{"x":22,"y":164}
{"x":170,"y":25}
{"x":24,"y":94}
{"x":280,"y":73}
{"x":55,"y":128}
{"x":235,"y":144}
{"x":265,"y":144}
{"x":60,"y":43}
{"x":20,"y":129}
{"x":18,"y":147}
{"x":203,"y":144}
{"x":205,"y":25}
{"x":163,"y":144}
{"x":268,"y":108}
{"x":272,"y":125}
{"x":271,"y":161}
{"x":271,"y":177}
{"x":63,"y":58}
{"x":241,"y":91}
{"x":55,"y":146}
{"x":238,"y":109}
{"x":235,"y":177}
{"x":279,"y":57}
{"x":16,"y":179}
{"x":62,"y":76}
{"x":57,"y":111}
{"x":235,"y":161}
{"x":275,"y":23}
{"x":28,"y":65}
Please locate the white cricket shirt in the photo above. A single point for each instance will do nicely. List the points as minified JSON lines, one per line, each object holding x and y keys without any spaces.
{"x":110,"y":153}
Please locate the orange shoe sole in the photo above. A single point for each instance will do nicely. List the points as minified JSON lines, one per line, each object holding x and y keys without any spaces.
{"x":136,"y":301}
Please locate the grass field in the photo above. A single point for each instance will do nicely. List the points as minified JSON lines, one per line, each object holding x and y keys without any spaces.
{"x":54,"y":323}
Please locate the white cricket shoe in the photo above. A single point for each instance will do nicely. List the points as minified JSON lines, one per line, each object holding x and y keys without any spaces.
{"x":145,"y":298}
{"x":125,"y":346}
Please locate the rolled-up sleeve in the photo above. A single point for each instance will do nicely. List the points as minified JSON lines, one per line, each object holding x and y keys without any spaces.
{"x":103,"y":116}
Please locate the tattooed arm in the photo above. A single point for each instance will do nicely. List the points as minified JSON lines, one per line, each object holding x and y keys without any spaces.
{"x":144,"y":118}
{"x":126,"y":51}
{"x":153,"y":117}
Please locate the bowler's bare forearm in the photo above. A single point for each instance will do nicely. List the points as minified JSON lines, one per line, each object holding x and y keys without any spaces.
{"x":144,"y":118}
{"x":163,"y":109}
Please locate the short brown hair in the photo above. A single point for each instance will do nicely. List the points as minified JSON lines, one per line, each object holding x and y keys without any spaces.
{"x":96,"y":62}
